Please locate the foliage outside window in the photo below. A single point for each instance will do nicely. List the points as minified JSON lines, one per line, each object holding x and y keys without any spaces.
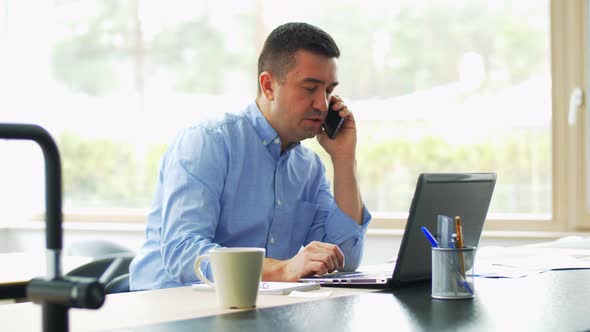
{"x":435,"y":86}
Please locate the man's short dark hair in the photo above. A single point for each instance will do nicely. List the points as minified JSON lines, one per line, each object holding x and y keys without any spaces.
{"x":278,"y":54}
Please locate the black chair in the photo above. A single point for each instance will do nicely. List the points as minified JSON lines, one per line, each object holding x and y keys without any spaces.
{"x":118,"y":285}
{"x":96,"y":249}
{"x":104,"y":269}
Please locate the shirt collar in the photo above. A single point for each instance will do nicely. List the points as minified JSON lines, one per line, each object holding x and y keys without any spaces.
{"x":267,"y":134}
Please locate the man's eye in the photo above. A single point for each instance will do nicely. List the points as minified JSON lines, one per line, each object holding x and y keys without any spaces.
{"x":312,"y":90}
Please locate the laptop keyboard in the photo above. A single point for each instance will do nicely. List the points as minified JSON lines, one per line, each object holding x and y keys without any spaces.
{"x":367,"y":271}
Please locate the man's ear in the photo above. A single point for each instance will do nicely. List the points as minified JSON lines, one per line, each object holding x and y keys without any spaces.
{"x":265,"y":80}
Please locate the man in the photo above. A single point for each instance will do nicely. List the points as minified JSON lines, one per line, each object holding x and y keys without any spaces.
{"x":245,"y":180}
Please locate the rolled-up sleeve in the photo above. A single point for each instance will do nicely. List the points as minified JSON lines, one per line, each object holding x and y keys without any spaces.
{"x":332,"y":225}
{"x":192,"y":177}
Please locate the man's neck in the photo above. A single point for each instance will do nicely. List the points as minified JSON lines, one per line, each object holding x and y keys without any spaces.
{"x":264,"y":106}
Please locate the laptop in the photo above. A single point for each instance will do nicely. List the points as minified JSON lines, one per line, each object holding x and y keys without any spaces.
{"x":451,"y":194}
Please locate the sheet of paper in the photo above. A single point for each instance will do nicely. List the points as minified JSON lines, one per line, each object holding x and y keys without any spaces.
{"x":310,"y":294}
{"x":523,"y":261}
{"x":271,"y":287}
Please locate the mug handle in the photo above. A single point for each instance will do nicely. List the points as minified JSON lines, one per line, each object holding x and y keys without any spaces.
{"x":200,"y":274}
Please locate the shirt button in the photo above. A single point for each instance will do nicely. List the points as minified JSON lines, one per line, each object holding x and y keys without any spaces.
{"x":272,"y":240}
{"x":278,"y":202}
{"x":277,"y":141}
{"x":264,"y":142}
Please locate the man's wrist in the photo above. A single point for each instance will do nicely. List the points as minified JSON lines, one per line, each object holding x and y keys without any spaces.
{"x":273,"y":269}
{"x":344,"y":161}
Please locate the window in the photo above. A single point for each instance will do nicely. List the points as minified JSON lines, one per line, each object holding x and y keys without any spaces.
{"x":441,"y":86}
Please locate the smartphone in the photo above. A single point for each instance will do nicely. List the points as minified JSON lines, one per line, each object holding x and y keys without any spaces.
{"x":333,"y":122}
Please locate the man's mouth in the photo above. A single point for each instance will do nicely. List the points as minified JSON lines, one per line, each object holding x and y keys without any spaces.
{"x":316,"y":120}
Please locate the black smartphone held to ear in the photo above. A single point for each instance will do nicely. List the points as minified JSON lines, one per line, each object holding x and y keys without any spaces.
{"x":333,"y":122}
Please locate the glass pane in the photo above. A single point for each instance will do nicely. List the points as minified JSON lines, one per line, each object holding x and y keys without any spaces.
{"x":436,"y":86}
{"x":448,"y":86}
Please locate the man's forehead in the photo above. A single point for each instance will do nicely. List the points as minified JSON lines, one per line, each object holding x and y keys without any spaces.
{"x":318,"y":81}
{"x":314,"y":68}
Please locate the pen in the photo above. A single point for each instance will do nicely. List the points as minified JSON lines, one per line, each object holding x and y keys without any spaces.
{"x":429,"y":237}
{"x":459,"y":230}
{"x":464,"y":283}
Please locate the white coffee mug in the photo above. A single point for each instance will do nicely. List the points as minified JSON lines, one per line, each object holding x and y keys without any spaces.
{"x":237,"y":273}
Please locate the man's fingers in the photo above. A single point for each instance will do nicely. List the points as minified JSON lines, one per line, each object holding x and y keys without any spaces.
{"x":318,"y":268}
{"x":342,"y":109}
{"x":335,"y":250}
{"x":325,"y":258}
{"x":318,"y":258}
{"x":339,"y":106}
{"x":344,"y":112}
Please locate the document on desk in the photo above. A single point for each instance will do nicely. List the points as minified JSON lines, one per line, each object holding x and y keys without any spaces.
{"x":521,"y":262}
{"x":271,"y":287}
{"x":315,"y":295}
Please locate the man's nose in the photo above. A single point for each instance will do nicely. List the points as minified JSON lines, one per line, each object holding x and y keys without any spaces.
{"x":321,"y":103}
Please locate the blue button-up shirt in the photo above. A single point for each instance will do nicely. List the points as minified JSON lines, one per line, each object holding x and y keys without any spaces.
{"x":226,"y":183}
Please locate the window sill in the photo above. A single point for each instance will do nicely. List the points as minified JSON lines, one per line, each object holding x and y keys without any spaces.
{"x":493,"y":234}
{"x":79,"y":226}
{"x":371,"y":232}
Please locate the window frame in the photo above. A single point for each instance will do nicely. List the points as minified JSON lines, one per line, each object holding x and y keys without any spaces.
{"x":569,"y":33}
{"x":584,"y":120}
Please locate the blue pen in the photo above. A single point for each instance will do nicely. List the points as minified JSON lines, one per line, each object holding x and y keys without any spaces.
{"x":429,"y":237}
{"x":465,"y":284}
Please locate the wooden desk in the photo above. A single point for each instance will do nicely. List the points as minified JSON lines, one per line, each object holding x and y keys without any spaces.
{"x":146,"y":307}
{"x":551,"y":301}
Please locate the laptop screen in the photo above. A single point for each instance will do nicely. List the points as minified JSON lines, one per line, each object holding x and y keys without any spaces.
{"x":462,"y":194}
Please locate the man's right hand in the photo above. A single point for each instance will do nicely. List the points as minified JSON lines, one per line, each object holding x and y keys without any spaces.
{"x":316,"y":258}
